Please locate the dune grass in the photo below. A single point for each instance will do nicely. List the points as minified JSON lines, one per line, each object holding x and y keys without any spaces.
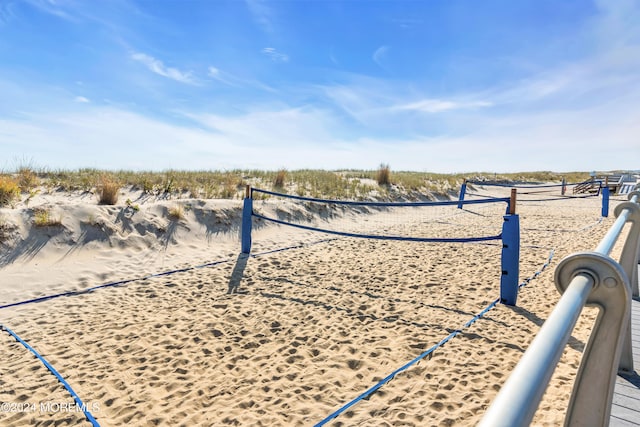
{"x":381,"y":183}
{"x":176,"y":213}
{"x":383,"y":176}
{"x":43,"y":218}
{"x":108,"y":189}
{"x":9,"y":190}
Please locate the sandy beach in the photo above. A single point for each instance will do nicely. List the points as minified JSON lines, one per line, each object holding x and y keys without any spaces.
{"x":288,"y":335}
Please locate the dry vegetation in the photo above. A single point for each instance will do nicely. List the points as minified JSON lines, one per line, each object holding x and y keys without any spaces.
{"x":108,"y":190}
{"x":383,"y":177}
{"x":5,"y":229}
{"x":345,"y":184}
{"x":176,"y":213}
{"x":9,"y":190}
{"x":43,"y":218}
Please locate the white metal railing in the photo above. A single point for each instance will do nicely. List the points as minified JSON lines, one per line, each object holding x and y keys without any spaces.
{"x":584,"y":278}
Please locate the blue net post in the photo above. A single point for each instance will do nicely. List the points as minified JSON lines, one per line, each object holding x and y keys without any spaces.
{"x":510,"y":259}
{"x":247,"y":211}
{"x":463,"y":190}
{"x":605,"y":200}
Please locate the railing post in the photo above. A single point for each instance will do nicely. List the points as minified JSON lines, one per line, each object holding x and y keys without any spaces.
{"x":631,"y":250}
{"x":629,"y":263}
{"x":592,"y":394}
{"x":605,"y":201}
{"x":247,"y":210}
{"x":510,"y":258}
{"x":564,"y":187}
{"x":463,"y":190}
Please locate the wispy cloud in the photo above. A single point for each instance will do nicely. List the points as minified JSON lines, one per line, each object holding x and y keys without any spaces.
{"x":158,"y":67}
{"x":262,"y":14}
{"x":6,"y":12}
{"x":407,"y":23}
{"x":380,"y":54}
{"x":275,"y":55}
{"x":81,"y":99}
{"x":54,"y":7}
{"x":235,"y":81}
{"x":439,"y":105}
{"x":220,"y":76}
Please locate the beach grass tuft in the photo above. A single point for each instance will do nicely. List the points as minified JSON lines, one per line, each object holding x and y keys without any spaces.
{"x":9,"y":190}
{"x":279,"y":180}
{"x":383,"y":176}
{"x":176,"y":212}
{"x":27,"y":179}
{"x":43,"y":218}
{"x":108,"y":189}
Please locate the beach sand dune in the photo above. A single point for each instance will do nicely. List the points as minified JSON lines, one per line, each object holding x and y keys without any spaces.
{"x":287,"y":337}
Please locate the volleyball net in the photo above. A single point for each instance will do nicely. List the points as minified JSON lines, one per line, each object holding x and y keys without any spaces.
{"x":419,"y":221}
{"x":538,"y":193}
{"x":404,"y":221}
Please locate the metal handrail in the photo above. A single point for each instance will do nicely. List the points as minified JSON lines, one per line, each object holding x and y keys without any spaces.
{"x":584,"y":278}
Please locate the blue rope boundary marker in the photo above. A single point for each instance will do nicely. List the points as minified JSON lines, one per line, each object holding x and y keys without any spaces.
{"x":59,"y":377}
{"x":151,"y":276}
{"x":110,"y":284}
{"x":79,"y":403}
{"x":431,"y":350}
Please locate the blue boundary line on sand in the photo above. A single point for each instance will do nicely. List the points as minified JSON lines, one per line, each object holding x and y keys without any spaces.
{"x":122,"y":282}
{"x":151,"y":276}
{"x":62,"y":381}
{"x":59,"y":377}
{"x":110,"y":284}
{"x":430,"y":351}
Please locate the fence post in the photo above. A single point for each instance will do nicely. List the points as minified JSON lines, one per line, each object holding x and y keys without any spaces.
{"x":564,"y":187}
{"x":510,"y":259}
{"x":605,"y":201}
{"x":463,"y":190}
{"x":247,"y":210}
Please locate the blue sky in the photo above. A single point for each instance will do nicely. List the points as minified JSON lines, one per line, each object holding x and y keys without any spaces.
{"x":433,"y":85}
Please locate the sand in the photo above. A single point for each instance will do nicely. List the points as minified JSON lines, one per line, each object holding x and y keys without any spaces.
{"x":284,"y":337}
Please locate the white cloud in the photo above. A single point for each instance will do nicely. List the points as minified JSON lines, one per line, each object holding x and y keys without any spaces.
{"x":380,"y":54}
{"x":159,"y":68}
{"x":279,"y":136}
{"x":575,"y":115}
{"x":81,"y":99}
{"x":275,"y":55}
